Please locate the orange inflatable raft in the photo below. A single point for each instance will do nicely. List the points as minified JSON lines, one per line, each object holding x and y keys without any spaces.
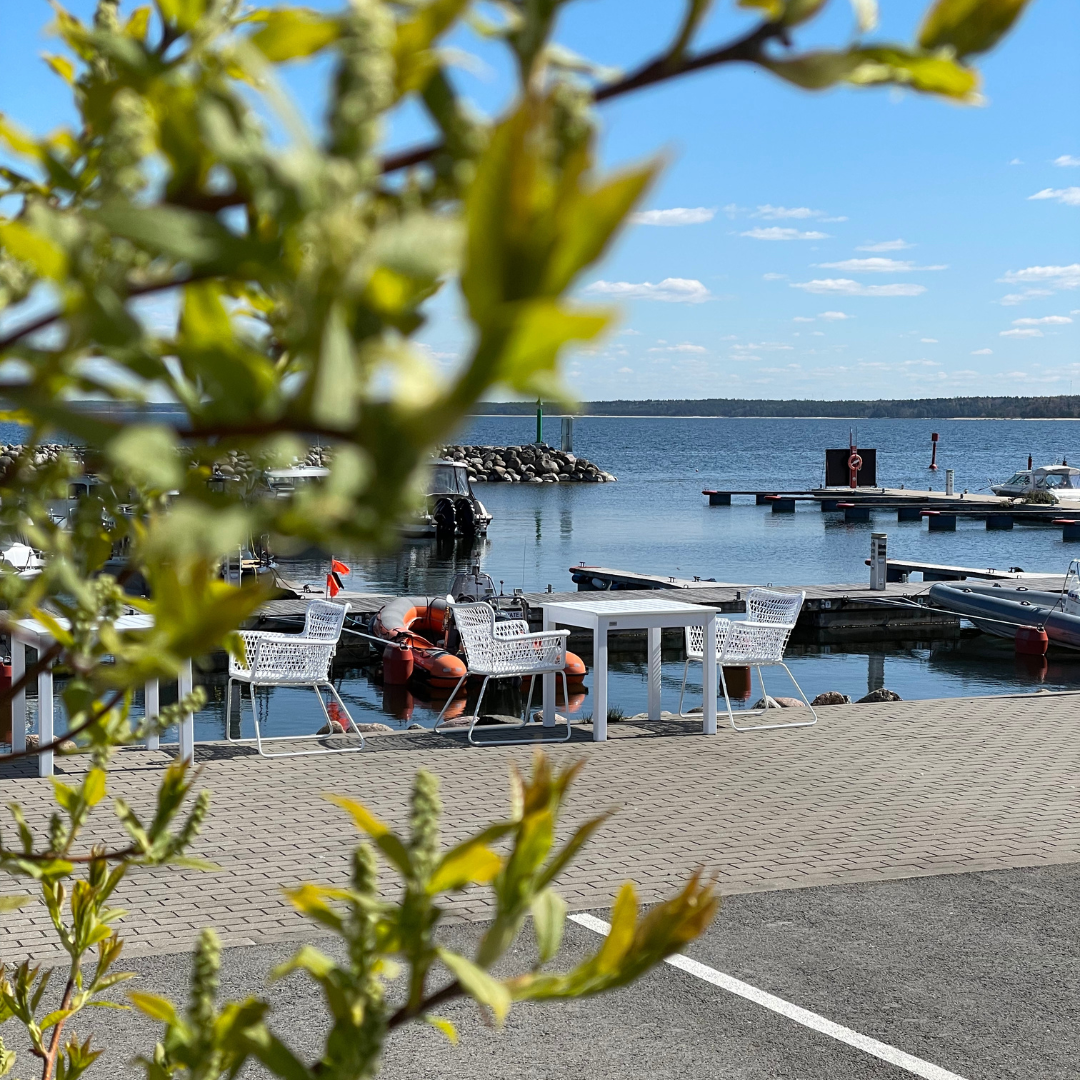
{"x":413,"y":628}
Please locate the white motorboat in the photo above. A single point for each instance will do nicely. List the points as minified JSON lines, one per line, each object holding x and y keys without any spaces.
{"x":1062,"y":482}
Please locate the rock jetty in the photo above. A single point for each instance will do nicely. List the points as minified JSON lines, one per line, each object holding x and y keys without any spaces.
{"x":533,"y":463}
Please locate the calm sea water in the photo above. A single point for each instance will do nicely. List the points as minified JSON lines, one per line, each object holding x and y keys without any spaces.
{"x":655,"y":520}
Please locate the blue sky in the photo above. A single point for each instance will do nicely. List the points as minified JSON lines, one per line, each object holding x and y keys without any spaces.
{"x":851,"y":243}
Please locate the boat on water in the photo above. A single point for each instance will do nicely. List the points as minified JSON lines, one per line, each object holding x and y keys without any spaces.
{"x":1060,"y":482}
{"x":1002,"y":608}
{"x":421,"y":644}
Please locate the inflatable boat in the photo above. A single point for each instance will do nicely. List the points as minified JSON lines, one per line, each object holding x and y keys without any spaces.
{"x":414,"y":629}
{"x":1002,"y":609}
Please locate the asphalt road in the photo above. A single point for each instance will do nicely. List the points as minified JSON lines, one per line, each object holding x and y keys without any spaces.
{"x":978,"y":974}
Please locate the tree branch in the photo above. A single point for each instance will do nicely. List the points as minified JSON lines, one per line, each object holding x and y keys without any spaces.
{"x":405,"y":1013}
{"x":746,"y":49}
{"x":89,"y":722}
{"x":47,"y":320}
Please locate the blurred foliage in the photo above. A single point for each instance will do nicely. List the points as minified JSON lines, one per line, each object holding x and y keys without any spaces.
{"x":192,"y":239}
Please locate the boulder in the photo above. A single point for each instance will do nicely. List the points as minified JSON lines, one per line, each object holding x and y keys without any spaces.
{"x":831,"y":697}
{"x":783,"y":702}
{"x":879,"y":695}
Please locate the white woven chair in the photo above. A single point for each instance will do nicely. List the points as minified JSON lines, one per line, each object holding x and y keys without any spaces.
{"x":758,"y":641}
{"x":296,"y":660}
{"x":505,"y":650}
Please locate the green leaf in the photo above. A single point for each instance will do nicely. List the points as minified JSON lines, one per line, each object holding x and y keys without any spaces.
{"x":478,"y":984}
{"x":386,"y":841}
{"x":549,"y":919}
{"x":333,"y":402}
{"x":770,"y":9}
{"x":621,"y":936}
{"x":148,"y":452}
{"x":930,"y":74}
{"x":13,"y":903}
{"x":799,"y":11}
{"x":199,"y":239}
{"x":292,"y":33}
{"x":184,"y":14}
{"x":154,"y":1005}
{"x":440,"y":1023}
{"x":31,"y":247}
{"x":969,"y":26}
{"x":474,"y":865}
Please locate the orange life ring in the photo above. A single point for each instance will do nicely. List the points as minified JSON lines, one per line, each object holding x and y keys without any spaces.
{"x":854,"y":463}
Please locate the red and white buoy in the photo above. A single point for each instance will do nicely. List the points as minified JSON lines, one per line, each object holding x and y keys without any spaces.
{"x":933,"y":453}
{"x":854,"y":462}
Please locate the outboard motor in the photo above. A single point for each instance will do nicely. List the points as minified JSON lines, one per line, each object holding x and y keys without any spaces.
{"x":445,"y":518}
{"x":466,"y":517}
{"x":472,"y":585}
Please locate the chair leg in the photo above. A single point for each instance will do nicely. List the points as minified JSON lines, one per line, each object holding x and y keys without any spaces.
{"x":228,"y":710}
{"x":790,"y":724}
{"x":479,"y":700}
{"x":255,"y":717}
{"x":528,"y":700}
{"x":520,"y":742}
{"x":727,"y":699}
{"x":682,"y":689}
{"x":348,"y":715}
{"x":446,"y":705}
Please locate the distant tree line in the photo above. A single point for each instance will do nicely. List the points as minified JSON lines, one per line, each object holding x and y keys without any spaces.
{"x":1061,"y":407}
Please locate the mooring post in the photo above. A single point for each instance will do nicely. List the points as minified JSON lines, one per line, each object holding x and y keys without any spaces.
{"x":566,"y":442}
{"x":539,"y":422}
{"x":879,"y":564}
{"x":948,"y":481}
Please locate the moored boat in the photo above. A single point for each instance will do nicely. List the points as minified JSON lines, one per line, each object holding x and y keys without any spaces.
{"x":1060,"y":482}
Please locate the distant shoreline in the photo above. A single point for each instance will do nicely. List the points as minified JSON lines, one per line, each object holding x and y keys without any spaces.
{"x":1063,"y":407}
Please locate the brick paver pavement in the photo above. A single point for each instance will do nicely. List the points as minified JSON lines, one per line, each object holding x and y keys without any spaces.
{"x":872,"y":792}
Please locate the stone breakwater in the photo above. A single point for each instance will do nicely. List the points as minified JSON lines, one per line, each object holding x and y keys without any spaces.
{"x":529,"y":464}
{"x":43,"y":454}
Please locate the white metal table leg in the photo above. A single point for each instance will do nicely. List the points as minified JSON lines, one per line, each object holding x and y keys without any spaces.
{"x":186,"y":737}
{"x":599,"y":729}
{"x":549,"y":686}
{"x":654,"y":673}
{"x":18,"y":701}
{"x":708,"y":678}
{"x":152,"y":709}
{"x":45,"y":720}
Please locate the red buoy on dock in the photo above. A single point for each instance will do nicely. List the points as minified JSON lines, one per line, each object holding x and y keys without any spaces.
{"x":1031,"y":641}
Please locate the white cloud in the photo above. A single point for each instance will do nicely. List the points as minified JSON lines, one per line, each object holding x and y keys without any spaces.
{"x":625,"y":371}
{"x":846,"y":287}
{"x":1070,"y":196}
{"x":685,"y":347}
{"x":628,"y":332}
{"x":817,"y":333}
{"x":1067,"y":161}
{"x":877,"y":266}
{"x":834,"y":316}
{"x":1027,"y":332}
{"x":775,"y":213}
{"x":886,"y":245}
{"x":678,"y":215}
{"x":1016,"y":161}
{"x":774,"y":277}
{"x":670,"y":290}
{"x":929,"y":340}
{"x":775,"y":232}
{"x":1053,"y":277}
{"x":803,"y":318}
{"x":1046,"y":320}
{"x":982,"y":352}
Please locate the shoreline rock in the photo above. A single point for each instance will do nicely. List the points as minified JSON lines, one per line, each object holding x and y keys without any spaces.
{"x":530,"y":463}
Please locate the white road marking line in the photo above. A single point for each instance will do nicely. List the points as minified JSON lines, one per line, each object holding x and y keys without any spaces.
{"x":793,"y":1012}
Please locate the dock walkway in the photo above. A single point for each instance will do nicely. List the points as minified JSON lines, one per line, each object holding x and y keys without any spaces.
{"x":872,"y":793}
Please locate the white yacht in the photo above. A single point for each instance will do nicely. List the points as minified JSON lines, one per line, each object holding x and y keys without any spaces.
{"x":1060,"y":481}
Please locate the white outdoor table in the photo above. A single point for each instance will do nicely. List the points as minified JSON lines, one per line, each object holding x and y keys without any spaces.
{"x":603,"y":616}
{"x":29,"y":632}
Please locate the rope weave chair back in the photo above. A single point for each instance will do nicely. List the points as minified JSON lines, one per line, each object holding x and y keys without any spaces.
{"x":323,"y":620}
{"x":506,"y":648}
{"x":273,"y":659}
{"x":770,"y":606}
